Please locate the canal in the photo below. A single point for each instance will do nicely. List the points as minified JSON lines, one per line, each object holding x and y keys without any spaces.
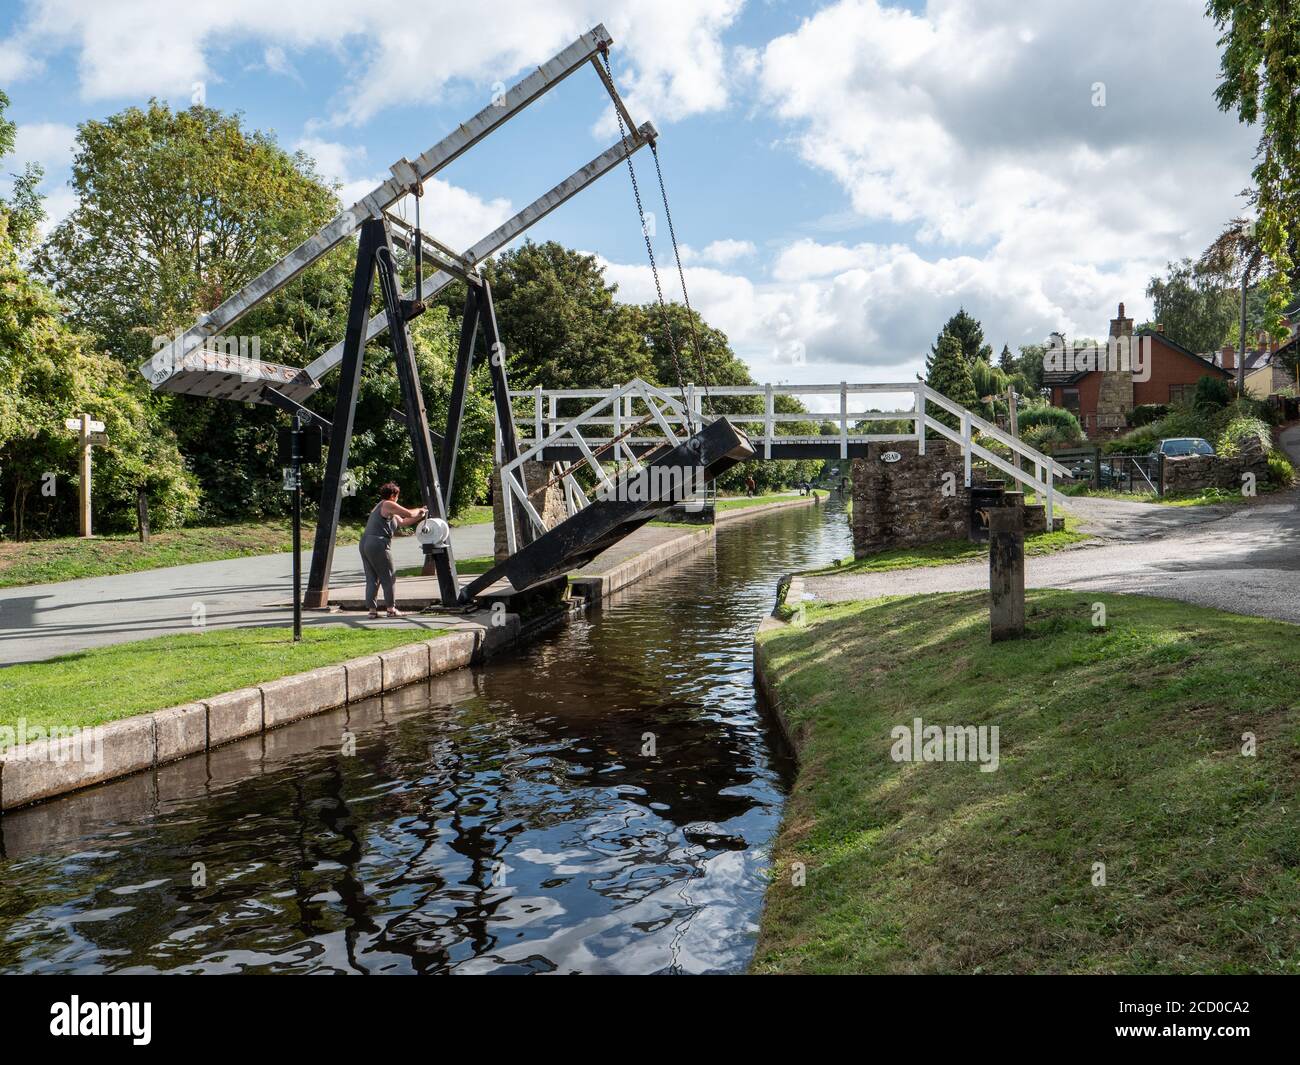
{"x":601,"y":801}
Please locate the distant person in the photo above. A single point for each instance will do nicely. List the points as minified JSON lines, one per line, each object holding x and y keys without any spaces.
{"x":750,"y":486}
{"x":376,"y":546}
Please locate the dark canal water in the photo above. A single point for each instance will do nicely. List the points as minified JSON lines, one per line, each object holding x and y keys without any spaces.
{"x":507,"y":820}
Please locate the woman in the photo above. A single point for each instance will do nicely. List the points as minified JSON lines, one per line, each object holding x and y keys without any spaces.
{"x":376,"y":543}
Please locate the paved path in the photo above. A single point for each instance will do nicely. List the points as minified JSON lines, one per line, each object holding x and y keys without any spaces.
{"x":41,"y":621}
{"x":1247,"y":561}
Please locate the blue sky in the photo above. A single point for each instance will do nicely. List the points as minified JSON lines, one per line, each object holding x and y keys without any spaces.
{"x":845,"y":174}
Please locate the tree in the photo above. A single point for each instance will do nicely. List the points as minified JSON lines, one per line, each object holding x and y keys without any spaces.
{"x":23,"y":211}
{"x":1260,"y":68}
{"x":176,"y":210}
{"x":47,"y":374}
{"x":559,"y":321}
{"x":1196,"y":308}
{"x":948,"y":373}
{"x":969,"y":335}
{"x":1007,"y":361}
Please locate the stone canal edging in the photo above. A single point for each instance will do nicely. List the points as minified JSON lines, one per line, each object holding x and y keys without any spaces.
{"x":725,"y":517}
{"x":50,"y":768}
{"x":53,"y":767}
{"x":789,"y":594}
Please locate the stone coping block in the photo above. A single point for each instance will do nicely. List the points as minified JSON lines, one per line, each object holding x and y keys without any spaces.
{"x":722,"y":517}
{"x":405,"y":665}
{"x":302,"y":695}
{"x":365,"y":677}
{"x":41,"y":770}
{"x":180,"y":731}
{"x":234,"y":715}
{"x":454,"y":651}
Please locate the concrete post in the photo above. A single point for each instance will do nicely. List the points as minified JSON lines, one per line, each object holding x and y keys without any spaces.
{"x":1006,"y":573}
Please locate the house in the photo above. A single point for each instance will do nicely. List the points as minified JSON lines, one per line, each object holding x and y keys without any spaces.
{"x":1101,"y":398}
{"x":1270,"y":368}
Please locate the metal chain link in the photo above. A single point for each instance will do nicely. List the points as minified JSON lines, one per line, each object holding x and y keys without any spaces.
{"x":654,"y":268}
{"x":681,"y":274}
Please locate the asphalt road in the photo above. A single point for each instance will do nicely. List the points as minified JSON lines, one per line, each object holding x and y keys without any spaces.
{"x":41,"y":621}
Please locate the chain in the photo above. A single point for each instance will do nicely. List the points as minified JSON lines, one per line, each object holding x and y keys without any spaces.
{"x":654,"y":269}
{"x":677,"y":255}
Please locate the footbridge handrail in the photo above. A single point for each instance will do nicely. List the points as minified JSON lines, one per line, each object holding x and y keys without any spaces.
{"x":545,"y":426}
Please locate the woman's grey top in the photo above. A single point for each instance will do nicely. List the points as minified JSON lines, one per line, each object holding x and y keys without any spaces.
{"x":378,"y":525}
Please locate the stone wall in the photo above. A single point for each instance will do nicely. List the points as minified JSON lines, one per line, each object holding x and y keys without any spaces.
{"x":903,"y":504}
{"x":1194,"y":473}
{"x":549,"y":503}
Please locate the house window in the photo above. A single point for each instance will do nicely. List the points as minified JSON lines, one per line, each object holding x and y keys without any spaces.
{"x":1181,"y":393}
{"x":1070,"y":399}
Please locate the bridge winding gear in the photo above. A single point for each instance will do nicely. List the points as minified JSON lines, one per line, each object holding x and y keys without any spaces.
{"x":636,"y":497}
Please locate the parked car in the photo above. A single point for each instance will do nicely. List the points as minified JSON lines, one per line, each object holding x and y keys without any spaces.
{"x":1177,"y":446}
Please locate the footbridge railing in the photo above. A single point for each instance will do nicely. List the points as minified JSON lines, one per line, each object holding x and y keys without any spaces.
{"x":584,"y":426}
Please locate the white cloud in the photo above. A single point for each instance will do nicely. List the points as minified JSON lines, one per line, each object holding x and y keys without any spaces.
{"x":450,"y":213}
{"x":51,"y":145}
{"x":667,"y":52}
{"x":973,"y":126}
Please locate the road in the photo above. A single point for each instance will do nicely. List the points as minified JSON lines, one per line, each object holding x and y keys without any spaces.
{"x":1245,"y":559}
{"x":41,"y":621}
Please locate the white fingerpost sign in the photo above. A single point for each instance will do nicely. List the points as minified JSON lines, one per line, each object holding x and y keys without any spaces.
{"x":90,"y":433}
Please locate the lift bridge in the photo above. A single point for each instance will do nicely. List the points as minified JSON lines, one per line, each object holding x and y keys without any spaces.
{"x":611,"y":486}
{"x":630,"y":442}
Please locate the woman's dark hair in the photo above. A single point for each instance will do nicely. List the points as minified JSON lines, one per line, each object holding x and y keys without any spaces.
{"x":388,"y":491}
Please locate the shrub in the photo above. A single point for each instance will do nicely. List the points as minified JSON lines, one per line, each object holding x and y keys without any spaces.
{"x":1059,"y":417}
{"x":1047,"y":437}
{"x":1238,"y":431}
{"x":1280,"y":471}
{"x":1212,"y":393}
{"x":1146,"y":413}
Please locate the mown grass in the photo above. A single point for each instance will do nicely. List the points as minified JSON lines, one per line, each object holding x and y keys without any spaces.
{"x":949,"y":552}
{"x":107,"y":683}
{"x":740,"y":502}
{"x":464,"y":567}
{"x":1120,"y":745}
{"x":1205,"y":497}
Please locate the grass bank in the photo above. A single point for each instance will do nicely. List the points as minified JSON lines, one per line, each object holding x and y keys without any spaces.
{"x":949,"y":552}
{"x":107,"y":683}
{"x":1205,"y":497}
{"x":740,"y":502}
{"x":1119,"y":745}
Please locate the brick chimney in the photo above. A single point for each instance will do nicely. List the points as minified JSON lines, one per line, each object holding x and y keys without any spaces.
{"x":1121,"y":326}
{"x":1229,"y":357}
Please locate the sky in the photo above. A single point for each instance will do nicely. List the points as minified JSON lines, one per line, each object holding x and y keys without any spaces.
{"x":843,"y":176}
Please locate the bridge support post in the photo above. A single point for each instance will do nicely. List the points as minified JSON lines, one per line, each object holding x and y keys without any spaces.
{"x":1006,"y":573}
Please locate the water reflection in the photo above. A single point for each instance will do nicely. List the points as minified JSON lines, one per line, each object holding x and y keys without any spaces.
{"x":598,"y":803}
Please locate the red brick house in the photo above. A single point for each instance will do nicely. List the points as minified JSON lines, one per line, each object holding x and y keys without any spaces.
{"x":1101,"y":399}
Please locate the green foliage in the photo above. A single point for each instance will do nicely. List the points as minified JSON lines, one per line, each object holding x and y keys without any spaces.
{"x":1196,"y":309}
{"x":1281,"y":472}
{"x":1239,"y":430}
{"x":1212,"y":393}
{"x":948,"y":373}
{"x":1207,"y":422}
{"x":970,"y":337}
{"x":1261,"y":81}
{"x":48,"y":374}
{"x":1146,"y":413}
{"x":1057,"y":417}
{"x":22,"y":213}
{"x":175,"y":211}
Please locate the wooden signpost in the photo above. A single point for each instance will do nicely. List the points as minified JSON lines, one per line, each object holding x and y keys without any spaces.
{"x":91,"y":433}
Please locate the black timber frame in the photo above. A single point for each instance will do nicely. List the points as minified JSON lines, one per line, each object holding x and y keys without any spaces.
{"x":435,"y":472}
